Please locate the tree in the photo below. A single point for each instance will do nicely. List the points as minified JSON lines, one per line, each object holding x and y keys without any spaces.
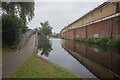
{"x":10,"y":25}
{"x":46,"y":29}
{"x":24,"y":10}
{"x":14,"y":19}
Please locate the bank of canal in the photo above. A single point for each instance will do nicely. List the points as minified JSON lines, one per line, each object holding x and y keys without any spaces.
{"x":80,"y":59}
{"x":54,"y":52}
{"x":34,"y":67}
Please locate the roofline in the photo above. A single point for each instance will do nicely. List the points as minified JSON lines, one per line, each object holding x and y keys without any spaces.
{"x":100,"y":6}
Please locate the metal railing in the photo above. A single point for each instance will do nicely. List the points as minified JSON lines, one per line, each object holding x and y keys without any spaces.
{"x":23,"y":38}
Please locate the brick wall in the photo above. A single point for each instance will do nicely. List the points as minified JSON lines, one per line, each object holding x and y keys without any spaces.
{"x":70,"y":34}
{"x":80,"y":32}
{"x":116,"y":27}
{"x":100,"y":29}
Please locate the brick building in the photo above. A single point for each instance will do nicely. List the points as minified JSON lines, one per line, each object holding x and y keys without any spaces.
{"x":102,"y":21}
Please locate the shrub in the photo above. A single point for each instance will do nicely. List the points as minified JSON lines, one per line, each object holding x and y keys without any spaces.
{"x":10,"y":25}
{"x":97,"y":41}
{"x":87,"y":40}
{"x":92,"y":40}
{"x":104,"y":40}
{"x":82,"y":40}
{"x":114,"y":43}
{"x":76,"y":39}
{"x":101,"y":41}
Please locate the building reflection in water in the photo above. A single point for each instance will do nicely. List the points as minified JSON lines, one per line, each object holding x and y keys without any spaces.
{"x":100,"y":61}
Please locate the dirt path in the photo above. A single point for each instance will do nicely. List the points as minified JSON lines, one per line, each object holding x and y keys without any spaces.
{"x":11,"y":62}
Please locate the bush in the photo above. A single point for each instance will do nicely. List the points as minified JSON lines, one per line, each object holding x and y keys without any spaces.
{"x":87,"y":40}
{"x":97,"y":41}
{"x":10,"y":24}
{"x":104,"y":40}
{"x":101,"y":41}
{"x":113,"y":43}
{"x":91,"y":40}
{"x":77,"y":39}
{"x":82,"y":40}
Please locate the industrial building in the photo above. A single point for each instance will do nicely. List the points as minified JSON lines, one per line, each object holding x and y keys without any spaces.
{"x":103,"y":20}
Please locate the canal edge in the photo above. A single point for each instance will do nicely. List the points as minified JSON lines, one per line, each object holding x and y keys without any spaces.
{"x":56,"y":65}
{"x":50,"y":62}
{"x":71,"y":52}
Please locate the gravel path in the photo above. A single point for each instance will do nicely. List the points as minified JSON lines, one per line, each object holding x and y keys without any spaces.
{"x":11,"y":62}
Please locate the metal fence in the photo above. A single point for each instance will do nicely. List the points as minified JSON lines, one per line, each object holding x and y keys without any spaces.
{"x":23,"y":38}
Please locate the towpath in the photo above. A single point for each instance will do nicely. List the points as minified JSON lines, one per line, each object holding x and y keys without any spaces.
{"x":11,"y":62}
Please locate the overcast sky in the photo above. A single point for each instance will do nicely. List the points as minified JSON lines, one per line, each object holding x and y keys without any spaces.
{"x":60,"y":14}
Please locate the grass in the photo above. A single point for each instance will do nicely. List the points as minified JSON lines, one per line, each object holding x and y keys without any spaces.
{"x":34,"y":67}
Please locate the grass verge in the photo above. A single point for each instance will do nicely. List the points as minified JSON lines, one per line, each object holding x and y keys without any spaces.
{"x":34,"y":67}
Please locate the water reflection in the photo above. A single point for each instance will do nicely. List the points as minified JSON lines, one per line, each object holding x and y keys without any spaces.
{"x":99,"y":60}
{"x":62,"y":58}
{"x":86,"y":58}
{"x":44,"y":45}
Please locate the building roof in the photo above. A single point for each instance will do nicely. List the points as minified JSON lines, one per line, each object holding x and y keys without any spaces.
{"x":95,"y":9}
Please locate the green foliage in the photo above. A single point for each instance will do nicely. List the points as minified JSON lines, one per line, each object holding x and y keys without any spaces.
{"x":46,"y":29}
{"x":114,"y":42}
{"x":104,"y":40}
{"x":91,"y":40}
{"x":9,"y":25}
{"x":55,"y":35}
{"x":97,"y":41}
{"x":14,"y":17}
{"x":83,"y":40}
{"x":25,"y":10}
{"x":44,"y":45}
{"x":77,"y":39}
{"x":9,"y":8}
{"x":11,"y":22}
{"x":101,"y":41}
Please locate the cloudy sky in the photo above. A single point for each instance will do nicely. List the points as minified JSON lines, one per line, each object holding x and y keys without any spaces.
{"x":60,"y":14}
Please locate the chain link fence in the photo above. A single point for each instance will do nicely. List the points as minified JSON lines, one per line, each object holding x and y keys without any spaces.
{"x":23,"y":38}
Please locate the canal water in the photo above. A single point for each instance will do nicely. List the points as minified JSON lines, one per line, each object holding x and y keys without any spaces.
{"x":81,"y":59}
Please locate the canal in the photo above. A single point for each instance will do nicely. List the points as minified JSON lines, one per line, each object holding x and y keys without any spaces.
{"x":81,"y":59}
